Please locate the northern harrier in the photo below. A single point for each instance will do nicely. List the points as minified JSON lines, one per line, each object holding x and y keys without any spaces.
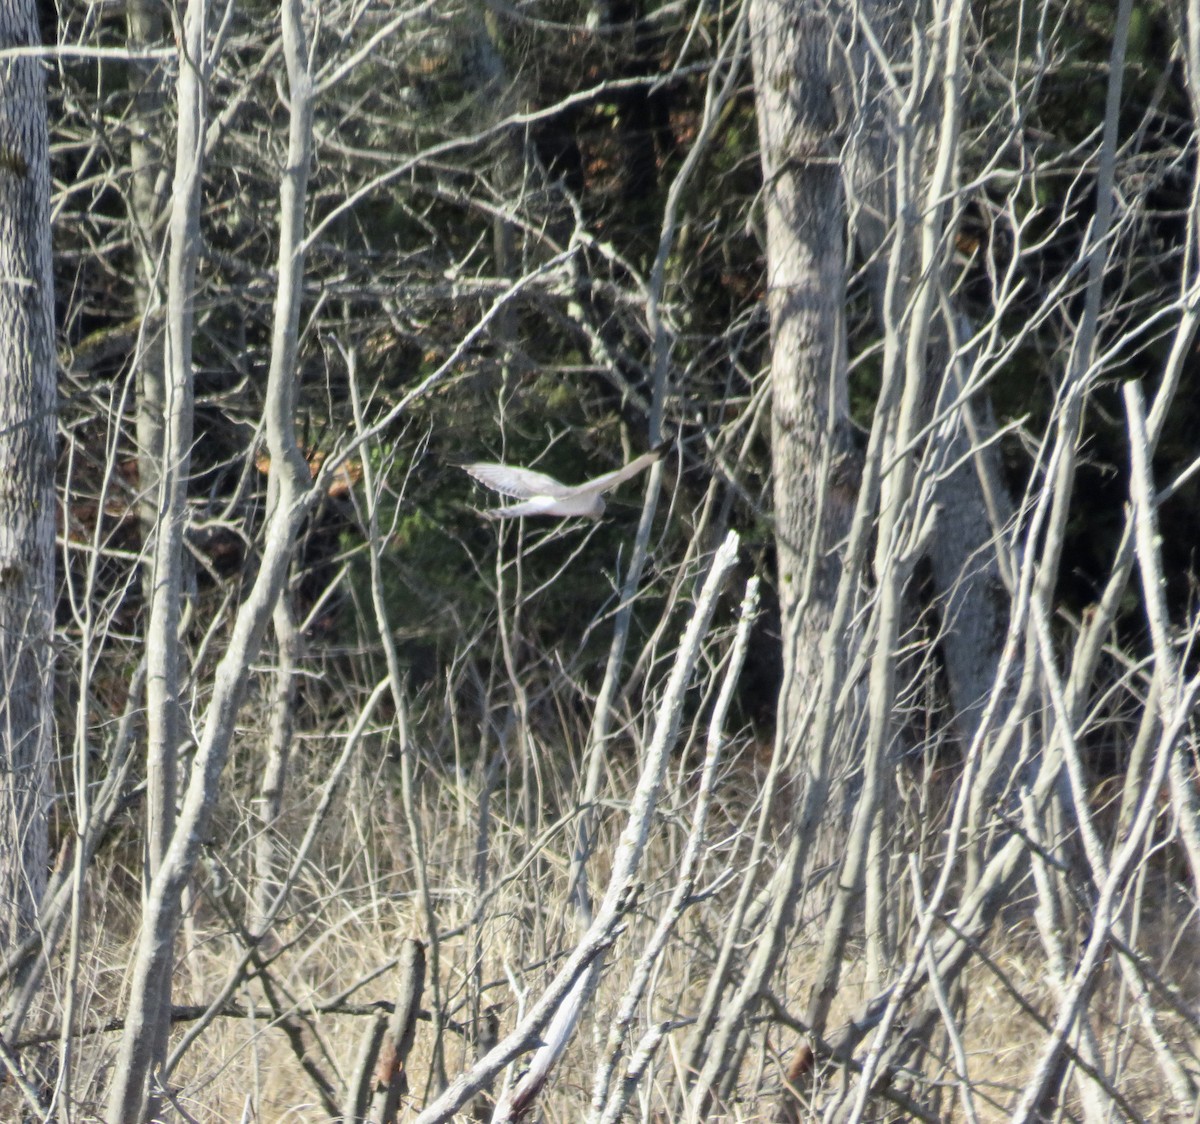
{"x":543,"y":495}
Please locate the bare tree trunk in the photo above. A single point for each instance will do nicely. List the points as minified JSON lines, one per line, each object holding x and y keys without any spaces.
{"x":145,"y":22}
{"x":144,"y":1037}
{"x":164,"y":427}
{"x":170,"y":433}
{"x":814,"y":465}
{"x":275,"y":774}
{"x":27,"y":417}
{"x":164,"y":418}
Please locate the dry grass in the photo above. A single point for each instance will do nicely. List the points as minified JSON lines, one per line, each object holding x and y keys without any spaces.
{"x":354,"y":904}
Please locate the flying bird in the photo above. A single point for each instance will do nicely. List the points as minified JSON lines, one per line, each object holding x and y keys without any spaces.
{"x":543,"y":495}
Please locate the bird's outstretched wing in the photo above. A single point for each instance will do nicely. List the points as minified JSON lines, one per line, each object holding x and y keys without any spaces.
{"x":619,"y":475}
{"x":518,"y":482}
{"x":543,"y":495}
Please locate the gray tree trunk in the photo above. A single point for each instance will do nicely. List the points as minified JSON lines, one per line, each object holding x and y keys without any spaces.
{"x":148,"y":1025}
{"x":163,"y":490}
{"x":814,"y":464}
{"x":27,"y":412}
{"x":145,"y":23}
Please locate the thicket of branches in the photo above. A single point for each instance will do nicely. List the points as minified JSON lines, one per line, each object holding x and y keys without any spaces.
{"x":846,"y":769}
